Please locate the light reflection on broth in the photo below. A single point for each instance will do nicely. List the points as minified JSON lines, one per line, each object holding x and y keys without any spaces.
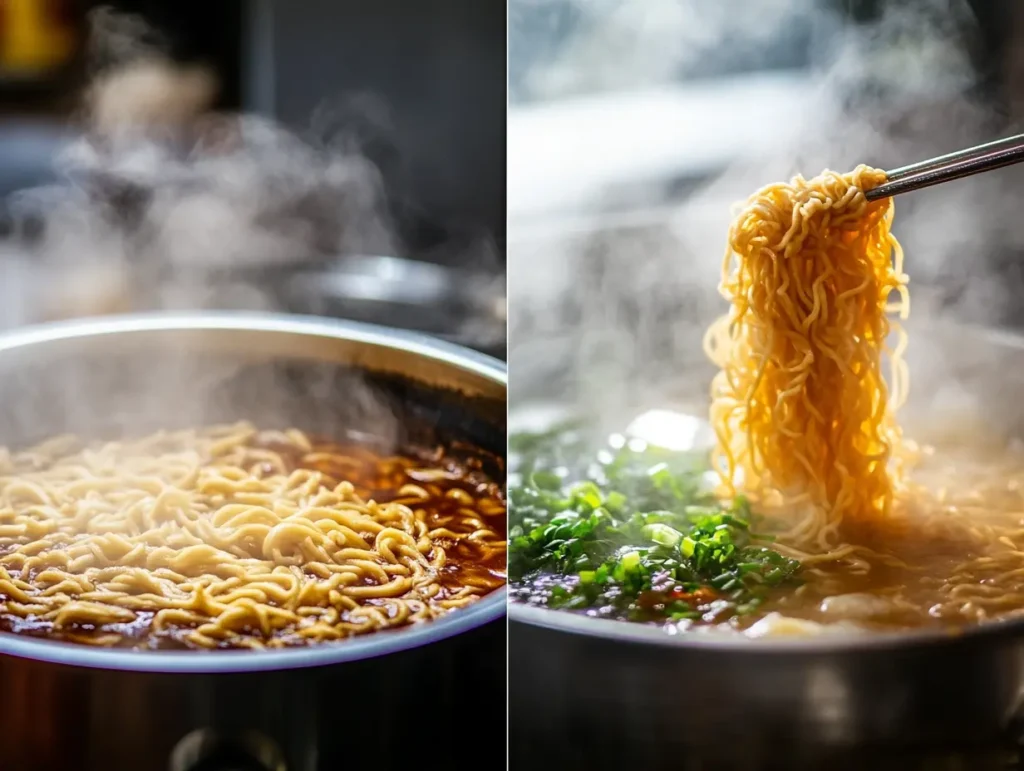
{"x":231,"y":537}
{"x":952,"y":554}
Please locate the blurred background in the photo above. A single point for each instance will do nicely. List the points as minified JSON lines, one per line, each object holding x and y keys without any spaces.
{"x":636,"y":125}
{"x":337,"y":157}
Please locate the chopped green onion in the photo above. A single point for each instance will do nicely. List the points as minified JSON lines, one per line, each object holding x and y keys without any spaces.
{"x":662,"y":534}
{"x":638,"y":531}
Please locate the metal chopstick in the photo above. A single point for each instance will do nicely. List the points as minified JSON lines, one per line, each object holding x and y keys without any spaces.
{"x":954,"y":157}
{"x":962,"y":163}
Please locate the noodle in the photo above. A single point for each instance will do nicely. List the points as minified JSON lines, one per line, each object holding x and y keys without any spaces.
{"x":805,"y":418}
{"x":800,"y":408}
{"x":231,"y":537}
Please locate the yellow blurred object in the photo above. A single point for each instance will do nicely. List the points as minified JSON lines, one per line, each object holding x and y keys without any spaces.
{"x":33,"y":38}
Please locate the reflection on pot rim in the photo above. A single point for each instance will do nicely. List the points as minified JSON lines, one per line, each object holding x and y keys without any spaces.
{"x":309,"y":326}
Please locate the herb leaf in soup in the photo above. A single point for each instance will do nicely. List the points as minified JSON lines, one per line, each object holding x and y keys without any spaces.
{"x":632,"y":533}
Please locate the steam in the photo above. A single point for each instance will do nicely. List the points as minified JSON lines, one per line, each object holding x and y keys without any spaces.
{"x":135,"y":85}
{"x":164,"y":203}
{"x":625,"y":45}
{"x":613,"y":318}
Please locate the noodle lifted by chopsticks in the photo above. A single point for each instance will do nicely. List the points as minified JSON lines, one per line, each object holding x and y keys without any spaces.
{"x":800,"y":407}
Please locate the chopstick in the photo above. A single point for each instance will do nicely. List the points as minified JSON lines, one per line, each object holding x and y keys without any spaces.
{"x":956,"y":165}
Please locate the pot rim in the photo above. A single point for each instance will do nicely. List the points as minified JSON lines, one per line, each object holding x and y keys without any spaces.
{"x":357,"y":331}
{"x":624,"y":632}
{"x":488,"y":609}
{"x":869,"y":643}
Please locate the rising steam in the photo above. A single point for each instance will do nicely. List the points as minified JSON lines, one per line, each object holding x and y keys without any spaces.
{"x":159,"y":197}
{"x":163,"y":203}
{"x":615,"y":316}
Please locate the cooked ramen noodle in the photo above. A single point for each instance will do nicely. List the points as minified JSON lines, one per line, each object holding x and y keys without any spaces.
{"x":232,"y":537}
{"x":804,"y":409}
{"x":800,"y":407}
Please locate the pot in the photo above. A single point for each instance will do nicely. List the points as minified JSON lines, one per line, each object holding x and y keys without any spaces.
{"x":591,"y":693}
{"x":432,"y":692}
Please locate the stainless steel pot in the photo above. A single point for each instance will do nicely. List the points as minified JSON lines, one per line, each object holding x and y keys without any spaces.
{"x":588,"y":693}
{"x":420,"y":694}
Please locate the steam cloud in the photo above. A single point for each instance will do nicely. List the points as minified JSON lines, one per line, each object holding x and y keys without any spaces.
{"x":159,"y":198}
{"x":615,"y":316}
{"x":164,"y":204}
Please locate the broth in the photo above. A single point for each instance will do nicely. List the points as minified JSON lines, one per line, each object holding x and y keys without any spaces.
{"x":951,"y":553}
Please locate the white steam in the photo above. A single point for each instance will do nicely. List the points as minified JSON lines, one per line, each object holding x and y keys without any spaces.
{"x":163,"y":203}
{"x":615,"y":316}
{"x":628,"y":45}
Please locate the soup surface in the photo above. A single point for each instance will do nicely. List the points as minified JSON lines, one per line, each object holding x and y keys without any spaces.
{"x":624,"y":529}
{"x":234,"y":537}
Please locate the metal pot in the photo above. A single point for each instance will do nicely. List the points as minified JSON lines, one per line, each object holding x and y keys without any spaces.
{"x":429,"y":693}
{"x":589,"y":693}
